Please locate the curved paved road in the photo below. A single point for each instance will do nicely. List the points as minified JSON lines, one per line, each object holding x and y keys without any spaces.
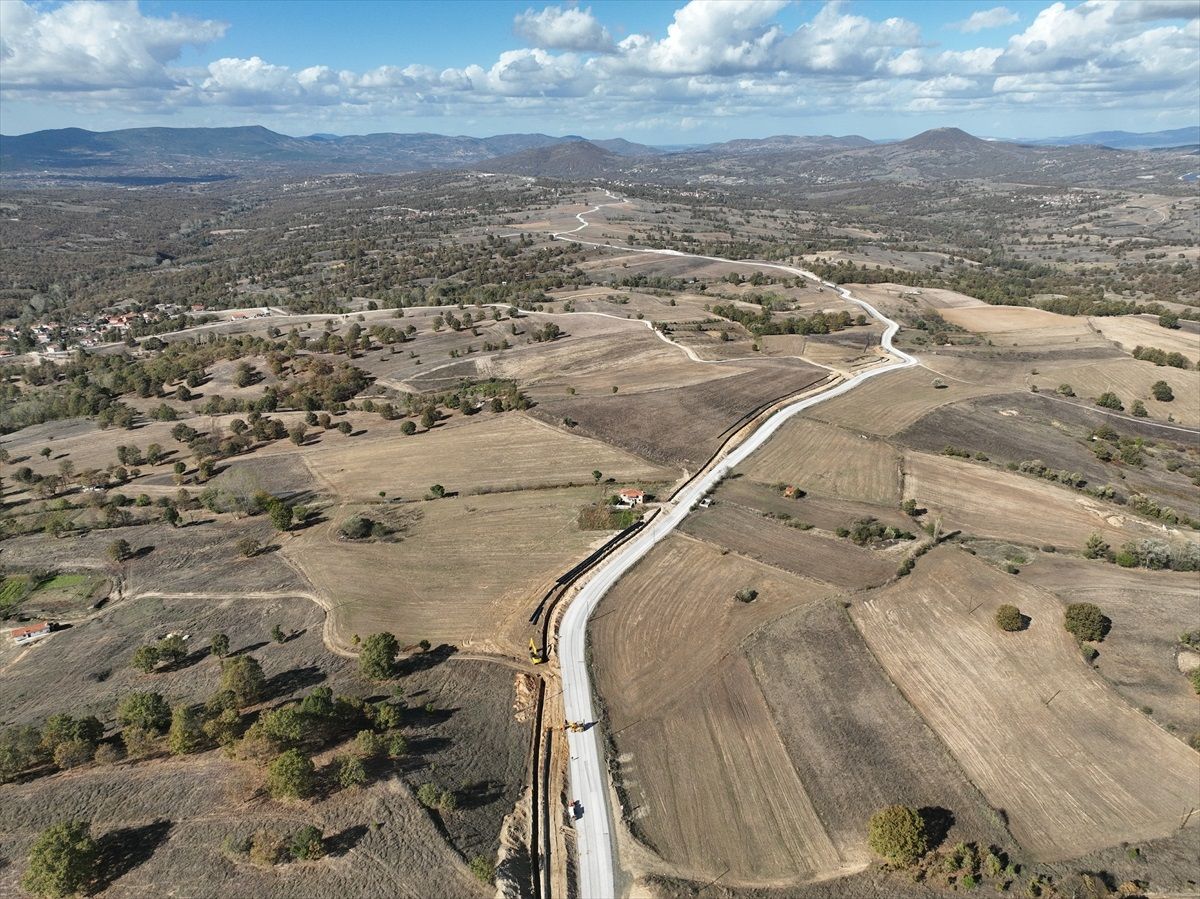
{"x":588,"y":777}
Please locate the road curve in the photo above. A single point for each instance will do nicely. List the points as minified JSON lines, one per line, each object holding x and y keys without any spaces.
{"x":588,"y":778}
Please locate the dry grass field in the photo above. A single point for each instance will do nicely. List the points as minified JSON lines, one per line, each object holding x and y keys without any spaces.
{"x":888,"y":298}
{"x":464,"y":570}
{"x":889,"y":403}
{"x":829,"y":460}
{"x":1045,"y":739}
{"x":824,"y":512}
{"x":855,"y":741}
{"x":1018,"y":323}
{"x":481,"y":453}
{"x":987,"y":502}
{"x":1129,"y":331}
{"x":1149,"y":610}
{"x":819,"y":556}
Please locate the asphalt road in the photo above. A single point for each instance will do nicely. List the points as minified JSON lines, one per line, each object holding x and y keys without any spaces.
{"x":587,"y":770}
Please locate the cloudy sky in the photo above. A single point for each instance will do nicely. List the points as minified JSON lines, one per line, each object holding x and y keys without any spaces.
{"x":650,"y":71}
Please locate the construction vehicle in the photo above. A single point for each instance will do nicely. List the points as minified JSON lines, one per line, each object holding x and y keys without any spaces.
{"x":536,"y":656}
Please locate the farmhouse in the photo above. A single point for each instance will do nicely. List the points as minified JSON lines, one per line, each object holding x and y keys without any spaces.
{"x":29,"y":633}
{"x":631,"y":496}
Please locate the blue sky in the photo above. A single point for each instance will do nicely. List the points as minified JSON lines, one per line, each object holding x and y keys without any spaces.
{"x":660,"y":72}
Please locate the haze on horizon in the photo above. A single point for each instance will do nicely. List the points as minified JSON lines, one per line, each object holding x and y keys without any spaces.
{"x":653,"y":72}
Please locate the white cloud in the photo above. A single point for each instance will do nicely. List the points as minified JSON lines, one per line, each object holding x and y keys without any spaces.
{"x":88,"y":45}
{"x":715,"y":60}
{"x":556,"y":28}
{"x":983,"y":19}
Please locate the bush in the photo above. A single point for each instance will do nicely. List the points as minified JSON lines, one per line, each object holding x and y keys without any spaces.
{"x":897,"y":833}
{"x":1194,"y":677}
{"x":746,"y":594}
{"x":1162,"y":391}
{"x":1008,"y":618}
{"x":429,"y":794}
{"x":1109,"y":400}
{"x":63,"y":860}
{"x":266,"y":848}
{"x":148,"y":711}
{"x":1085,"y":621}
{"x":351,"y":772}
{"x":357,"y":527}
{"x":482,"y":868}
{"x":307,"y":843}
{"x":291,"y":776}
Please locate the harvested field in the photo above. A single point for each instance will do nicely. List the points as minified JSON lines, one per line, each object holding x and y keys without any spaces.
{"x":476,"y":454}
{"x":678,"y":698}
{"x":855,"y":741}
{"x":684,"y":426}
{"x":674,"y":616}
{"x":823,"y":558}
{"x":902,"y":298}
{"x":464,"y":568}
{"x":891,"y":402}
{"x":829,"y":460}
{"x":1018,"y":323}
{"x":1149,"y":610}
{"x":1130,"y":379}
{"x":986,"y":502}
{"x":1040,"y":734}
{"x":826,"y":513}
{"x":1129,"y":331}
{"x":715,"y":792}
{"x":1020,"y":427}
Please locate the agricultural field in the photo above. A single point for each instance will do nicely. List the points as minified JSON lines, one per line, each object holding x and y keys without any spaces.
{"x":828,"y":460}
{"x":1130,"y":331}
{"x":1130,"y":380}
{"x":1042,"y":735}
{"x":987,"y":502}
{"x":466,"y":570}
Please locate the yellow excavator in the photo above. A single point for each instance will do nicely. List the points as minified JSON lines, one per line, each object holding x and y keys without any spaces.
{"x":536,"y":656}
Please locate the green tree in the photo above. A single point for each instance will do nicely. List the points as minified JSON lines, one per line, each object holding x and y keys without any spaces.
{"x":21,"y":748}
{"x":1138,"y":409}
{"x":1110,"y":400}
{"x":898,"y":833}
{"x":186,"y":734}
{"x":280,"y":514}
{"x":243,"y":677}
{"x":119,"y":550}
{"x":297,"y":433}
{"x":146,"y":710}
{"x":171,"y":516}
{"x":145,"y":658}
{"x":220,"y":645}
{"x":429,"y":418}
{"x":1085,"y":621}
{"x":62,"y":861}
{"x":248,"y":547}
{"x":408,"y":428}
{"x":277,"y":634}
{"x":1162,"y":391}
{"x":429,"y":794}
{"x":291,"y":775}
{"x":1008,"y":618}
{"x":307,"y":844}
{"x":597,"y":474}
{"x":1096,"y":547}
{"x":73,"y":753}
{"x":377,"y":659}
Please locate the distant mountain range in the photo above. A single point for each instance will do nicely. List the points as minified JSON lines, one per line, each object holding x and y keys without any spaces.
{"x":139,"y":156}
{"x":166,"y":150}
{"x":1126,"y":140}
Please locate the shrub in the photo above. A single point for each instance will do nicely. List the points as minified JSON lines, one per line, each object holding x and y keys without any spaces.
{"x":1088,"y":652}
{"x":897,"y":833}
{"x":145,"y":710}
{"x":1085,"y":621}
{"x":63,"y":860}
{"x":1109,"y":400}
{"x":1096,"y":547}
{"x":357,"y":527}
{"x":291,"y":776}
{"x":1008,"y":618}
{"x":1194,"y":677}
{"x":351,"y":772}
{"x":1162,"y":391}
{"x":266,"y":848}
{"x":482,"y":868}
{"x":243,"y":677}
{"x":186,"y":735}
{"x":746,"y":594}
{"x":429,"y":794}
{"x":307,"y":843}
